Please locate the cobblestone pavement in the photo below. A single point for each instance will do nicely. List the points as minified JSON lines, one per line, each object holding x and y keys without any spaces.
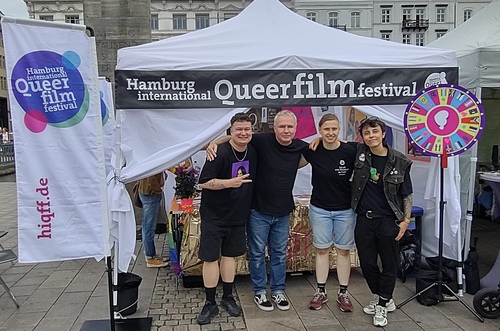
{"x":176,"y":307}
{"x":61,"y":296}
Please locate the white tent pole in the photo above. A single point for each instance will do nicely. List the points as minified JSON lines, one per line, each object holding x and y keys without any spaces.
{"x":118,"y":166}
{"x":459,"y":235}
{"x":470,"y":200}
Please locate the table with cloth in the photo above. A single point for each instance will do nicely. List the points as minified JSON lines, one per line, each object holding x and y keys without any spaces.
{"x":300,"y":252}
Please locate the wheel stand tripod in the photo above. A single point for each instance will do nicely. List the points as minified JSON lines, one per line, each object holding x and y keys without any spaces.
{"x":439,"y":283}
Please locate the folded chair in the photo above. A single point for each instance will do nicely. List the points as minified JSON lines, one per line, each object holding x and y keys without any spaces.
{"x":7,"y":255}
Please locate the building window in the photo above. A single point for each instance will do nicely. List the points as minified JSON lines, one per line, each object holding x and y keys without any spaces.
{"x":202,"y":21}
{"x":440,"y":13}
{"x":179,"y":21}
{"x":154,"y":22}
{"x":228,"y":16}
{"x":407,"y":13}
{"x":467,"y":14}
{"x":74,"y":19}
{"x":419,"y":39}
{"x":46,"y":17}
{"x":420,"y":13}
{"x":355,"y":19}
{"x":439,"y":34}
{"x":406,"y":38}
{"x":333,"y":19}
{"x":386,"y":16}
{"x":386,"y":36}
{"x":311,"y":16}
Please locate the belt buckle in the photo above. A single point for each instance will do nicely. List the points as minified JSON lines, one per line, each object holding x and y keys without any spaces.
{"x":368,"y":214}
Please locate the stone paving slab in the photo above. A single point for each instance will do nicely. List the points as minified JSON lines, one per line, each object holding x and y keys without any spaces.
{"x":61,"y":296}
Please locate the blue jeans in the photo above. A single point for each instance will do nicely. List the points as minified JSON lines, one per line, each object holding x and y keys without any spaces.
{"x":263,"y":229}
{"x":150,"y":208}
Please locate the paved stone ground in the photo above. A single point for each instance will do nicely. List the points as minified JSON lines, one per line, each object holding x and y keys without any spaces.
{"x":61,"y":296}
{"x":174,"y":307}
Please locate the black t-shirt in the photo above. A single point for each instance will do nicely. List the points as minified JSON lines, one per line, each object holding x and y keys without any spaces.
{"x":277,"y":169}
{"x":331,"y":175}
{"x":230,"y":206}
{"x":373,"y":197}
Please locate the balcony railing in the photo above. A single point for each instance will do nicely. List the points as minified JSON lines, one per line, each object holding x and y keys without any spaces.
{"x":339,"y":26}
{"x":6,"y":153}
{"x":418,"y":24}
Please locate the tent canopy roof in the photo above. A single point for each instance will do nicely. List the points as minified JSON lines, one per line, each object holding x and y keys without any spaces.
{"x":267,"y":35}
{"x":477,"y":44}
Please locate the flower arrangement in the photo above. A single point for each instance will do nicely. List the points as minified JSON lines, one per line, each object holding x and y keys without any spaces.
{"x":185,"y":182}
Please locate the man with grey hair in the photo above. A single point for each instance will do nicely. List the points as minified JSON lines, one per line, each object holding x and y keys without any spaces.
{"x":279,"y":157}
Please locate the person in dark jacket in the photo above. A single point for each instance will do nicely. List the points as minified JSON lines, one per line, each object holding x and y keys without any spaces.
{"x":382,"y":199}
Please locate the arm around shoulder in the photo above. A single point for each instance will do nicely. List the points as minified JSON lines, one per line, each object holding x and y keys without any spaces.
{"x":211,"y":149}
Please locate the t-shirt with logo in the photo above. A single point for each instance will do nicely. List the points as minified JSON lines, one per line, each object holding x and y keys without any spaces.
{"x":276,"y":172}
{"x":373,"y":197}
{"x":230,"y":206}
{"x":331,"y":175}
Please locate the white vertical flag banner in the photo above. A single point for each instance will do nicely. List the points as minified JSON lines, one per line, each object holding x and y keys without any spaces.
{"x":60,"y":170}
{"x":108,"y":121}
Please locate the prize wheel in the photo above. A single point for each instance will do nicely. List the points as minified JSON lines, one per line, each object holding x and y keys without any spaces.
{"x":444,"y":117}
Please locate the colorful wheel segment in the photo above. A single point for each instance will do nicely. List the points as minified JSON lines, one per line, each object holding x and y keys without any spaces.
{"x":444,"y":117}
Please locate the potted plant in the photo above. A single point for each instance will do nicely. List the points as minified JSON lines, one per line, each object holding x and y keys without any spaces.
{"x":185,"y":186}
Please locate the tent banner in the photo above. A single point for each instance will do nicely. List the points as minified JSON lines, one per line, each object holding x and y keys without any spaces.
{"x":137,"y":89}
{"x":56,"y":116}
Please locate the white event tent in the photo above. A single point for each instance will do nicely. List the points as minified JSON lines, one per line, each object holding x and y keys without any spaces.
{"x":477,"y":46}
{"x":264,"y":36}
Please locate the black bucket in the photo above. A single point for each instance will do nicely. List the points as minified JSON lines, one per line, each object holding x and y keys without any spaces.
{"x":128,"y":292}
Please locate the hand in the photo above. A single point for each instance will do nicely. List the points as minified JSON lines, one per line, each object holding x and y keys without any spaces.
{"x":314,"y":144}
{"x":402,"y":228}
{"x":211,"y":151}
{"x":238,"y":181}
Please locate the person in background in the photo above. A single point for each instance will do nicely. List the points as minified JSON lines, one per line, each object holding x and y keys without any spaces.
{"x":227,"y":186}
{"x":5,"y":136}
{"x":279,"y":156}
{"x":382,"y":200}
{"x":330,"y":215}
{"x":150,"y":193}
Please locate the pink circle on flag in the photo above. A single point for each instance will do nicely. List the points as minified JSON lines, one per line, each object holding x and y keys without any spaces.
{"x":35,"y":121}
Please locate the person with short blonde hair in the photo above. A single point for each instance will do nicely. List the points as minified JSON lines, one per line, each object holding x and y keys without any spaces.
{"x":330,"y":215}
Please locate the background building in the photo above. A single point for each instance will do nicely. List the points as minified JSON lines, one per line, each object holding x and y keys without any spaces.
{"x":121,"y":23}
{"x":4,"y":108}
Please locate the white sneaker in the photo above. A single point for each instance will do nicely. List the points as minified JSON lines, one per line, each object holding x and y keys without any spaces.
{"x":371,"y":310}
{"x":380,"y":317}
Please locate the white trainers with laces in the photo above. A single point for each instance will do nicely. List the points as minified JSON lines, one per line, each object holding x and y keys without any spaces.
{"x":370,"y":308}
{"x":380,"y":317}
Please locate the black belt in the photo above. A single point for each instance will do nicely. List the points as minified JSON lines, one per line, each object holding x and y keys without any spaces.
{"x":371,"y":215}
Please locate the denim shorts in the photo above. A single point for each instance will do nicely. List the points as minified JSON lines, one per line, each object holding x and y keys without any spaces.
{"x":332,"y":227}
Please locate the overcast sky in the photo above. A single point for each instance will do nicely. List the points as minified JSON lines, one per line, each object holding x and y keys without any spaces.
{"x":15,"y":8}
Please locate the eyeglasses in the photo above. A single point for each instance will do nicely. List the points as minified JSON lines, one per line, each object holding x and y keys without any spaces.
{"x":370,"y":119}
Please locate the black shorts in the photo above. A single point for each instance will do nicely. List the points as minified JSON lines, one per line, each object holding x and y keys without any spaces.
{"x":217,"y":241}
